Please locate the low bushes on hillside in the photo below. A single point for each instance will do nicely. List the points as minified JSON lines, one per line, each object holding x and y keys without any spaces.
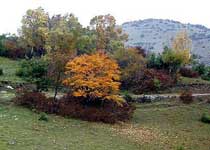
{"x":187,"y":72}
{"x":103,"y":111}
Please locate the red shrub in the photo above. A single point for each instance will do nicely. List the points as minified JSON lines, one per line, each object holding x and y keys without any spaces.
{"x":107,"y":111}
{"x":186,"y":72}
{"x":149,"y":80}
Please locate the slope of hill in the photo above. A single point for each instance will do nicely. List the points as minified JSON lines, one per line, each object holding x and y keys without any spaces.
{"x":154,"y":34}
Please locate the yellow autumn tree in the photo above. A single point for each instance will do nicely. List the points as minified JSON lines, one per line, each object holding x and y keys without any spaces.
{"x":182,"y":45}
{"x":94,"y":76}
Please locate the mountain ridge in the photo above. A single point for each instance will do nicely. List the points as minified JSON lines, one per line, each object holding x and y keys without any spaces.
{"x":154,"y":34}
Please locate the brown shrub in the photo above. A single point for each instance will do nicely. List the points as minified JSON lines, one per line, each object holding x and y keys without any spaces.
{"x":107,"y":111}
{"x":186,"y":97}
{"x":102,"y":111}
{"x":16,"y":53}
{"x":148,"y":80}
{"x":187,"y":72}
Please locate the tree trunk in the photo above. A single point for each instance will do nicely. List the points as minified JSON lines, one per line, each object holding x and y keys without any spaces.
{"x":56,"y":85}
{"x":56,"y":92}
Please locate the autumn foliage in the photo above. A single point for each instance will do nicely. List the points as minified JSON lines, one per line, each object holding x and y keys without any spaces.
{"x":94,"y":77}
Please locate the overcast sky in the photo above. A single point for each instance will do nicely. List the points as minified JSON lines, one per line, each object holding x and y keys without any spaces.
{"x":186,"y":11}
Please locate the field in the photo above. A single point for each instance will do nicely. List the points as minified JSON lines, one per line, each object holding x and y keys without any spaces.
{"x":163,"y":125}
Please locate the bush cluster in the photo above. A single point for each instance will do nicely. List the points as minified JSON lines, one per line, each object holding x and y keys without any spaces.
{"x":203,"y":70}
{"x":187,"y":72}
{"x":10,"y":47}
{"x":148,"y":80}
{"x":101,"y":111}
{"x":14,"y":53}
{"x":35,"y":71}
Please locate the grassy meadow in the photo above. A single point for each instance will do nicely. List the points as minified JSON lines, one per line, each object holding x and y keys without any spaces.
{"x":164,"y":125}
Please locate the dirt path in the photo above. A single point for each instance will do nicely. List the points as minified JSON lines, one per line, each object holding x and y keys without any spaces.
{"x":173,"y":94}
{"x":162,"y":96}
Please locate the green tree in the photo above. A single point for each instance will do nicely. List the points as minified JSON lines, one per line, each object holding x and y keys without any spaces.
{"x":109,"y":37}
{"x":61,"y":45}
{"x":34,"y":31}
{"x":35,"y":71}
{"x":173,"y":60}
{"x":130,"y":62}
{"x":86,"y":42}
{"x":155,"y":61}
{"x":64,"y":32}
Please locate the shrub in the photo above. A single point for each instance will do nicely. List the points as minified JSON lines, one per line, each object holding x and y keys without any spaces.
{"x":148,"y":80}
{"x":77,"y":107}
{"x":35,"y":72}
{"x":186,"y":72}
{"x":200,"y":68}
{"x":10,"y":47}
{"x":155,"y":61}
{"x":109,"y":112}
{"x":206,"y":75}
{"x":186,"y":97}
{"x":157,"y":83}
{"x":29,"y":99}
{"x":205,"y":118}
{"x":43,"y":117}
{"x":1,"y":72}
{"x":16,"y":53}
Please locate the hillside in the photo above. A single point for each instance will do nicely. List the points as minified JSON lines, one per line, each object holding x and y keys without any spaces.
{"x":154,"y":34}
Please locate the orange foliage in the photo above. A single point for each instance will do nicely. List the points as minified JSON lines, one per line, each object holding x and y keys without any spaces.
{"x":94,"y":76}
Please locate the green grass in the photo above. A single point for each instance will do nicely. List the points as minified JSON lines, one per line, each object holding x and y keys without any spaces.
{"x":185,"y":80}
{"x":20,"y":129}
{"x":156,"y":126}
{"x":179,"y":125}
{"x":9,"y":69}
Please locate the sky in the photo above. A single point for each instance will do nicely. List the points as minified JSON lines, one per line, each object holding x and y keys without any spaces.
{"x":185,"y":11}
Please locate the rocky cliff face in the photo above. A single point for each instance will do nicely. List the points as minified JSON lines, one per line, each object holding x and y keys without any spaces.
{"x":154,"y":34}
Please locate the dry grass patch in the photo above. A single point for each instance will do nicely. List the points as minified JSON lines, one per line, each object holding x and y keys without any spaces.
{"x":140,"y":135}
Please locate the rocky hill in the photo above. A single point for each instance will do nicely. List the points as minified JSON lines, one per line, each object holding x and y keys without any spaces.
{"x":154,"y":34}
